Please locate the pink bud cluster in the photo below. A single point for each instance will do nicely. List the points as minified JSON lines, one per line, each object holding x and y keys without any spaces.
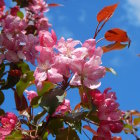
{"x":30,"y":95}
{"x":107,"y":111}
{"x":7,"y":124}
{"x":63,"y":108}
{"x":15,"y":41}
{"x":35,"y":14}
{"x":68,"y":58}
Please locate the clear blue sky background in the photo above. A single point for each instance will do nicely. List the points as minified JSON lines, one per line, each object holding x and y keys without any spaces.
{"x":77,"y":19}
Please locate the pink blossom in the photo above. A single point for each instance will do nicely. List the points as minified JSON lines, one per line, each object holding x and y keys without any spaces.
{"x":107,"y":111}
{"x":51,"y":74}
{"x":62,"y":65}
{"x":103,"y":132}
{"x":8,"y":123}
{"x":105,"y":129}
{"x":63,"y":108}
{"x":88,"y":72}
{"x":47,"y":39}
{"x":12,"y":24}
{"x":54,"y":76}
{"x":7,"y":41}
{"x":38,"y":7}
{"x":90,"y":45}
{"x":40,"y":76}
{"x":45,"y":70}
{"x":14,"y":10}
{"x":19,"y":46}
{"x":116,"y":127}
{"x":66,"y":47}
{"x":11,"y":56}
{"x":29,"y":49}
{"x":43,"y":24}
{"x":30,"y":95}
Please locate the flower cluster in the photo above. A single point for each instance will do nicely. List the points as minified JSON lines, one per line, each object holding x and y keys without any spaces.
{"x":35,"y":14}
{"x":62,"y":64}
{"x":107,"y":112}
{"x":64,"y":58}
{"x":7,"y":124}
{"x":18,"y":38}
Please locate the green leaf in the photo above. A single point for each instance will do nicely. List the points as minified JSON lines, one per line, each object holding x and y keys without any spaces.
{"x":111,"y":70}
{"x":73,"y":117}
{"x":1,"y":112}
{"x":16,"y":135}
{"x":24,"y":67}
{"x":50,"y":101}
{"x":128,"y":126}
{"x":20,"y":14}
{"x":67,"y":134}
{"x":34,"y":101}
{"x":60,"y":98}
{"x":45,"y":136}
{"x":2,"y":68}
{"x":1,"y":97}
{"x":39,"y":115}
{"x":54,"y":125}
{"x":11,"y":80}
{"x":46,"y":87}
{"x":136,"y":121}
{"x":24,"y":82}
{"x":75,"y":125}
{"x":93,"y":117}
{"x":22,"y":3}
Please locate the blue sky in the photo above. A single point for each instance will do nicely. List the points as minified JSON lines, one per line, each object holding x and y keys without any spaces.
{"x":77,"y":19}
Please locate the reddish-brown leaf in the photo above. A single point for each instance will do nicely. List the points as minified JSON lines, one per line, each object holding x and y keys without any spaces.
{"x":54,"y":5}
{"x":90,"y":129}
{"x":77,"y":107}
{"x":106,"y":13}
{"x":21,"y":103}
{"x":117,"y":34}
{"x":114,"y":46}
{"x":117,"y":138}
{"x":134,"y":113}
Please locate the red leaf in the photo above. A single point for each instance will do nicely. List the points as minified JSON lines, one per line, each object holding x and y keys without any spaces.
{"x":134,"y":112}
{"x":77,"y":107}
{"x":114,"y":46}
{"x":117,"y":34}
{"x":90,"y":129}
{"x":117,"y":138}
{"x":21,"y":103}
{"x":106,"y":13}
{"x":54,"y":5}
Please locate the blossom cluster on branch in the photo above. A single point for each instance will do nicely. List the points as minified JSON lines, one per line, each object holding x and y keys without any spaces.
{"x":61,"y":64}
